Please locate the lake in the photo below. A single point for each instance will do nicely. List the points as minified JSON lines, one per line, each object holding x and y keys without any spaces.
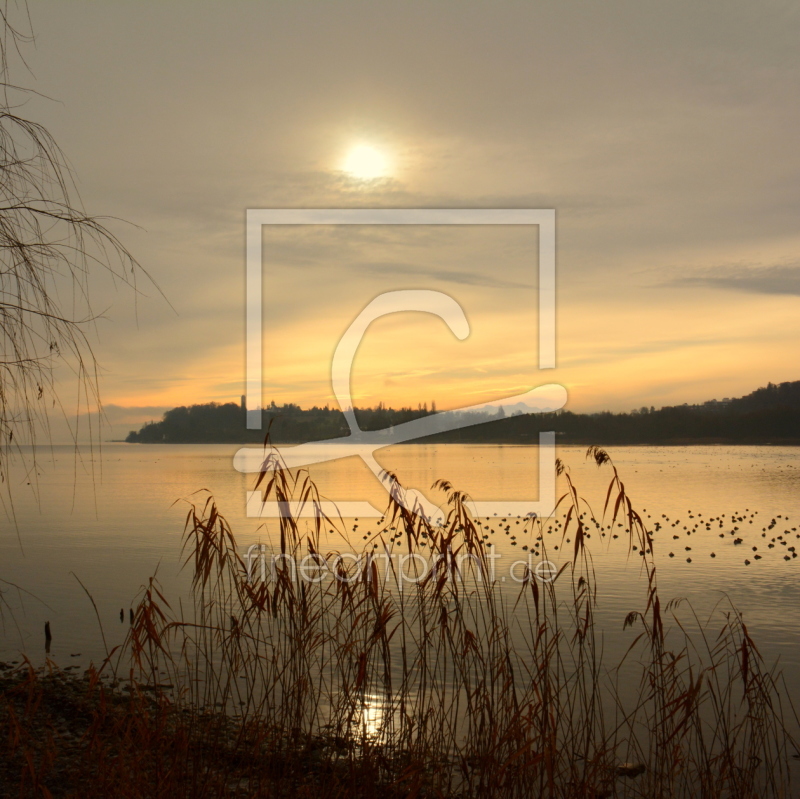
{"x":115,"y":518}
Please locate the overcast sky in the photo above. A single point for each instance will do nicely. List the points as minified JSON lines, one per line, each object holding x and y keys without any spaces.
{"x":664,"y":135}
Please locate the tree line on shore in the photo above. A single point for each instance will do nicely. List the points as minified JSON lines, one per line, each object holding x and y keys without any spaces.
{"x":768,"y":415}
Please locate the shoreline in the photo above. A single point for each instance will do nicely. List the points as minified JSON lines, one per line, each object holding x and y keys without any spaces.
{"x":90,"y":735}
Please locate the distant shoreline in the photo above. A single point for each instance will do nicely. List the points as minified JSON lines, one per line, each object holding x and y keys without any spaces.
{"x":767,"y":416}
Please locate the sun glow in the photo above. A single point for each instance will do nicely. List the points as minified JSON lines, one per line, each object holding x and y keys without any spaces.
{"x":366,"y":163}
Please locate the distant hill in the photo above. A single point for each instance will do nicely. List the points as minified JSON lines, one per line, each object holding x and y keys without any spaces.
{"x":782,"y":395}
{"x":767,"y":415}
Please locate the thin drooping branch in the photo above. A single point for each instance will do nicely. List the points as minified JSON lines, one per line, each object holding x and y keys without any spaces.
{"x":50,"y":252}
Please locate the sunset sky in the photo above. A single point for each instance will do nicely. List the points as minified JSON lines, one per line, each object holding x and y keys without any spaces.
{"x":664,"y":135}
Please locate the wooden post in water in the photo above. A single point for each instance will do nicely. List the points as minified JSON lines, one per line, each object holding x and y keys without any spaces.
{"x":47,"y":637}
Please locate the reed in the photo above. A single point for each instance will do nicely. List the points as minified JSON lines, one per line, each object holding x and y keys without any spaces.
{"x":357,"y":685}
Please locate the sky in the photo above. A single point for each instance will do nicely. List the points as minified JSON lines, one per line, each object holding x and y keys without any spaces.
{"x":663,"y":134}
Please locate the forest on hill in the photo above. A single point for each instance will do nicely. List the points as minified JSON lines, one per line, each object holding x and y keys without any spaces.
{"x":768,"y":415}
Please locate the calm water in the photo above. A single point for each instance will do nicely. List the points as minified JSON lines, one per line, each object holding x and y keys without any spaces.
{"x":116,"y":520}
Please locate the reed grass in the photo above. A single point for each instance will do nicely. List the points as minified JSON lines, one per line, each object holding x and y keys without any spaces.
{"x":451,"y":687}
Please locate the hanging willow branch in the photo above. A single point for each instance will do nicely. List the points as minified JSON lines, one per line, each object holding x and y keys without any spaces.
{"x":50,"y":249}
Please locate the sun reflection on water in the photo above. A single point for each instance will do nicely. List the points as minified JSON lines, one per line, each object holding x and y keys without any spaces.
{"x":371,"y":719}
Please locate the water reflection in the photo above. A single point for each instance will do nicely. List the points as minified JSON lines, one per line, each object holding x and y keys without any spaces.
{"x":123,"y":526}
{"x":371,"y":718}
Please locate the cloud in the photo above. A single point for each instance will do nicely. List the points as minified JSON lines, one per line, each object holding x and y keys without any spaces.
{"x":444,"y":275}
{"x":661,"y":134}
{"x":590,"y":355}
{"x":754,"y":279}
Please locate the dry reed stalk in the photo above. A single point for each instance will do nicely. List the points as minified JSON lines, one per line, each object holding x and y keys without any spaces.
{"x":350,"y":687}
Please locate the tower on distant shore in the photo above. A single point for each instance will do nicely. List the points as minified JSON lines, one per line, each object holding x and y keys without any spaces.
{"x":244,"y":402}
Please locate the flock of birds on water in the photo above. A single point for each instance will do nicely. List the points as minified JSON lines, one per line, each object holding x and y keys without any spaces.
{"x":732,"y":530}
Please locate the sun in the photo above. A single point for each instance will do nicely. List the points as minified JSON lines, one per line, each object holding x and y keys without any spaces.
{"x":366,"y":163}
